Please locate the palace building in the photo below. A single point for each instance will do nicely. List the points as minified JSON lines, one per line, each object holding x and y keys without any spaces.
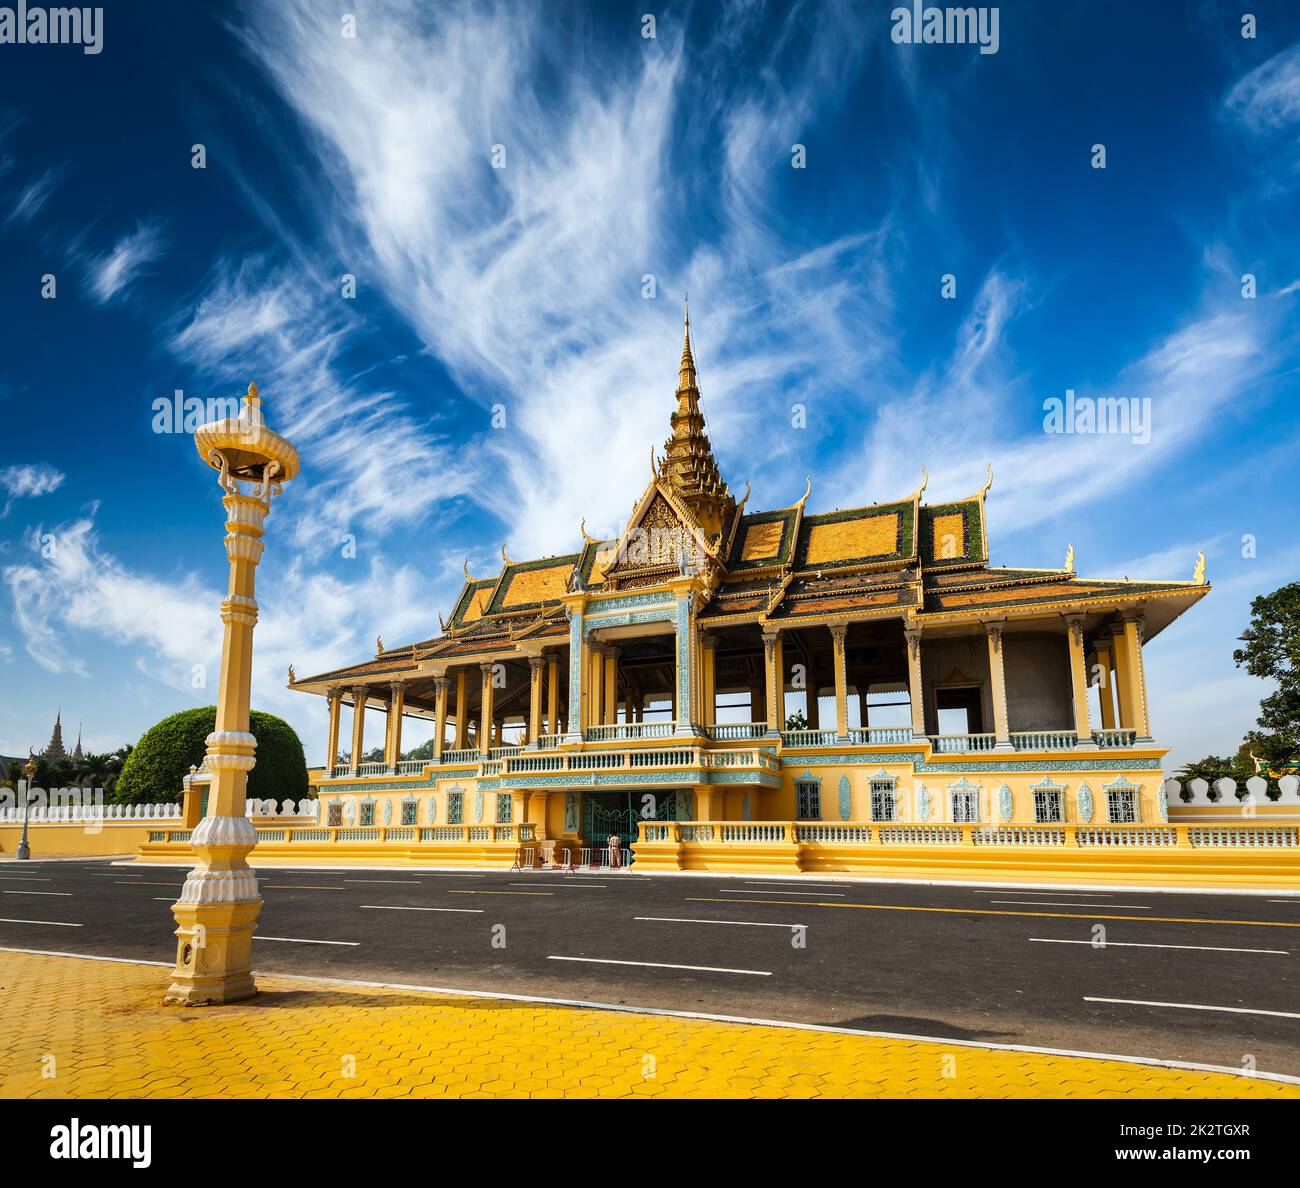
{"x":721,"y":674}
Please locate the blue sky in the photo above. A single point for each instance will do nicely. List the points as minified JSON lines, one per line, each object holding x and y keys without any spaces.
{"x":522,"y":287}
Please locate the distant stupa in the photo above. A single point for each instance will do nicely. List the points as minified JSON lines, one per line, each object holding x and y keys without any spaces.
{"x":56,"y":750}
{"x":77,"y":755}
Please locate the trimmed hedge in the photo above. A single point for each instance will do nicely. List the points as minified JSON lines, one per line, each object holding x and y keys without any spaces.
{"x":154,"y":770}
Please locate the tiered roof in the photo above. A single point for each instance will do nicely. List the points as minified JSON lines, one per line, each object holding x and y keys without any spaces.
{"x":926,"y":562}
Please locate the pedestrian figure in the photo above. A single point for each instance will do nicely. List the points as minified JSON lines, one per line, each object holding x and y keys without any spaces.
{"x":615,"y":851}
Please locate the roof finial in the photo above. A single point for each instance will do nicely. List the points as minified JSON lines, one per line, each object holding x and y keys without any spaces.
{"x":686,"y":378}
{"x":1069,"y":559}
{"x":925,"y":482}
{"x":468,"y":576}
{"x":504,"y":557}
{"x":806,"y":492}
{"x":586,"y":538}
{"x":1198,"y":574}
{"x":984,"y":490}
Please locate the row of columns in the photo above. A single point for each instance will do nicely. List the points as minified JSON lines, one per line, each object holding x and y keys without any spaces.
{"x":543,"y":674}
{"x":1118,"y":672}
{"x":1120,"y":652}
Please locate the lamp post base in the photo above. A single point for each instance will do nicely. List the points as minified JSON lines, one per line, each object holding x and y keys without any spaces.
{"x":214,"y":952}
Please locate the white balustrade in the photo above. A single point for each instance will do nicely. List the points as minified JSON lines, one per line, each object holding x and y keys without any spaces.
{"x":960,"y":744}
{"x":1043,"y":740}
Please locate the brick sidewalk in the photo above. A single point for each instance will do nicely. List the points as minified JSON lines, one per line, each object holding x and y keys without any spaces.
{"x":84,"y":1028}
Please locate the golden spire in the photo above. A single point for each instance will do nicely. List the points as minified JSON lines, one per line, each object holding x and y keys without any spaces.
{"x":688,"y":464}
{"x":686,"y":375}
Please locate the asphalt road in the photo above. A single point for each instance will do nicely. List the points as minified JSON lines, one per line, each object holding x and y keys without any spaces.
{"x":971,"y":963}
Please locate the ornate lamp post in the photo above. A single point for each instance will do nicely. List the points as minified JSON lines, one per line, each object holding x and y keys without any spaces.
{"x":29,"y":769}
{"x":219,"y":904}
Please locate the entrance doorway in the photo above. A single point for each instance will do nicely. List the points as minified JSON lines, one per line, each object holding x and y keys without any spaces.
{"x":606,"y":813}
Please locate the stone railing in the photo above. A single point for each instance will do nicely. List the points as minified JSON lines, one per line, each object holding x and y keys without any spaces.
{"x":750,"y":758}
{"x":723,"y":833}
{"x":372,"y":769}
{"x":1114,"y":738}
{"x":285,"y":808}
{"x":631,"y":731}
{"x":960,"y":744}
{"x":1044,"y":740}
{"x":735,"y":731}
{"x":406,"y":835}
{"x":132,"y":814}
{"x":880,"y":736}
{"x":54,"y":814}
{"x":547,"y":742}
{"x":808,"y":738}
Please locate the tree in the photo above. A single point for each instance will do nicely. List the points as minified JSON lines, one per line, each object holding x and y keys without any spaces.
{"x":796,"y":721}
{"x":423,"y":751}
{"x":1272,"y":652}
{"x":154,"y":769}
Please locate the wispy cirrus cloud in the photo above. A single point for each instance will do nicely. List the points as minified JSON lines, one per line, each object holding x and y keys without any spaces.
{"x":33,"y":196}
{"x":374,"y":464}
{"x":527,"y":281}
{"x":126,"y":261}
{"x":70,"y":594}
{"x":28,"y":481}
{"x":1268,"y":98}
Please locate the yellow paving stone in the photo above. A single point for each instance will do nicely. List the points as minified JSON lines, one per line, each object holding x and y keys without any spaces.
{"x":110,"y":1035}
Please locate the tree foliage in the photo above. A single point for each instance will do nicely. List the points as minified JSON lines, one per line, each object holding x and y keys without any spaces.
{"x":163,"y":757}
{"x":1271,"y":652}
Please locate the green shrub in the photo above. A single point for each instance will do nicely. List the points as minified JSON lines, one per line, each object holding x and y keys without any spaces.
{"x":153,"y":771}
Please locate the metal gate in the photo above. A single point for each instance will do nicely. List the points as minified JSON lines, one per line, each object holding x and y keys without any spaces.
{"x":599,"y":822}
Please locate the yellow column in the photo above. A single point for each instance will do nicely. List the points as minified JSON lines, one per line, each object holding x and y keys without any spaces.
{"x":218,"y":907}
{"x":441,"y":685}
{"x":773,"y":682}
{"x":1105,"y":683}
{"x":1130,"y":643}
{"x":485,"y":718}
{"x":1079,"y":679}
{"x":462,"y":707}
{"x":332,"y":741}
{"x":610,"y":685}
{"x":553,"y":694}
{"x":708,"y":679}
{"x":915,"y":684}
{"x":998,"y":677}
{"x":838,"y":634}
{"x":393,"y":741}
{"x":359,"y":700}
{"x":596,"y":700}
{"x":536,"y":673}
{"x":1123,"y":687}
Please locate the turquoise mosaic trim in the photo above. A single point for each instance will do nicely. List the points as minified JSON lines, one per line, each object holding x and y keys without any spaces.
{"x":685,"y":670}
{"x":362,"y":789}
{"x":1003,"y":766}
{"x":598,"y":608}
{"x":606,"y":779}
{"x":845,"y":799}
{"x":575,"y":670}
